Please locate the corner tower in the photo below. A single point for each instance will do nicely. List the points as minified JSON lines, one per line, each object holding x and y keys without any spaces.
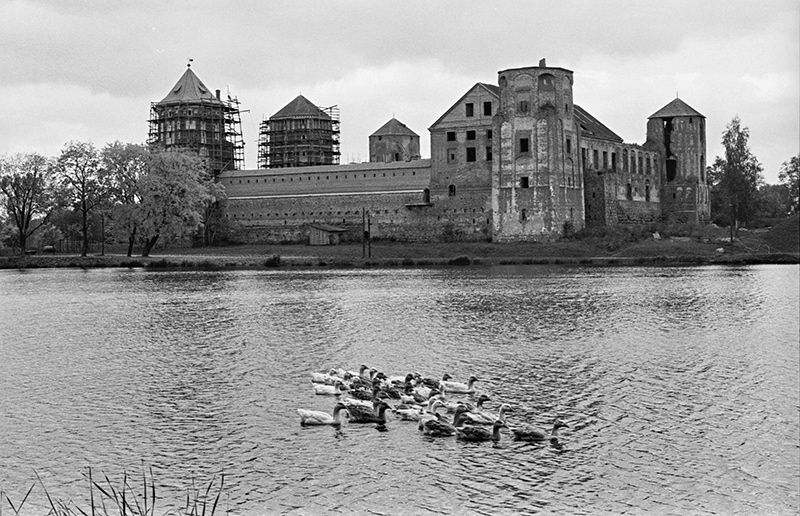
{"x":678,"y":133}
{"x":192,"y":118}
{"x":394,"y":141}
{"x":533,"y":191}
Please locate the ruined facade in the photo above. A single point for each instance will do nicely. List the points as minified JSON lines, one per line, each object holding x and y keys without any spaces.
{"x":509,"y":162}
{"x":191,"y":118}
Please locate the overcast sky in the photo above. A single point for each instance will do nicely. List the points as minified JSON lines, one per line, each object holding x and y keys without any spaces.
{"x":88,"y":70}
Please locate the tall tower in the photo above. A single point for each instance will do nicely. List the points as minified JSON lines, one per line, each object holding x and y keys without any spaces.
{"x":532,"y":191}
{"x":394,"y":141}
{"x":678,"y":133}
{"x":192,"y":118}
{"x":299,"y":135}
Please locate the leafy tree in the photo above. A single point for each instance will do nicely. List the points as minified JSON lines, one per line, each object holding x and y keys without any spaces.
{"x":736,"y":178}
{"x":773,"y":202}
{"x":789,"y":177}
{"x":172,"y":197}
{"x":31,"y":193}
{"x":79,"y":169}
{"x":213,"y":217}
{"x":123,"y":167}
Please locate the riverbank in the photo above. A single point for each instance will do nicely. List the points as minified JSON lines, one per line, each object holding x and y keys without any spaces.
{"x":619,"y":247}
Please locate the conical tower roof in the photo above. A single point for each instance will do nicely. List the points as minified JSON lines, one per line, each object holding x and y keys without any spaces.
{"x":676,"y":108}
{"x":189,"y":88}
{"x":394,"y":127}
{"x":300,"y":107}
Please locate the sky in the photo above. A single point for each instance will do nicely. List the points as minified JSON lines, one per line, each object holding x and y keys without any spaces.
{"x":88,"y":70}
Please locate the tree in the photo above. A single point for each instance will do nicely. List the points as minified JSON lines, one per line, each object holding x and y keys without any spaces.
{"x":213,"y":218}
{"x":773,"y":202}
{"x":736,"y":178}
{"x":789,"y":177}
{"x":31,"y":193}
{"x":172,"y":197}
{"x":123,"y":167}
{"x":79,"y":167}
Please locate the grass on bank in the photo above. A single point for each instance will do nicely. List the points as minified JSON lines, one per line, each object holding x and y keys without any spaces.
{"x":123,"y":499}
{"x":624,"y":244}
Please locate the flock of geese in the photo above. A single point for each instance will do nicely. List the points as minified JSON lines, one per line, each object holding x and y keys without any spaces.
{"x":441,"y":408}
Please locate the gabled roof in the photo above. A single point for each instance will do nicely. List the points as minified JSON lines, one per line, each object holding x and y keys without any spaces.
{"x":188,"y":88}
{"x":592,"y":127}
{"x":491,"y":88}
{"x":300,"y":107}
{"x":675,"y":108}
{"x":394,"y":127}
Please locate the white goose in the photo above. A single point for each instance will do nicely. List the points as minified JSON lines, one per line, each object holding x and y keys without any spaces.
{"x":317,"y":418}
{"x":458,"y":387}
{"x":487,"y":418}
{"x":322,"y":389}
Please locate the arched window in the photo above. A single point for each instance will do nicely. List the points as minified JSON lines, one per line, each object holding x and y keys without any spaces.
{"x":426,"y":196}
{"x":451,"y":190}
{"x":523,"y":215}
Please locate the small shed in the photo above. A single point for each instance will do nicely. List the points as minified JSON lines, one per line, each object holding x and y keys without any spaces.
{"x":323,"y":234}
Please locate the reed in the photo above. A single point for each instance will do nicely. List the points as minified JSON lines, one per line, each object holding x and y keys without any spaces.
{"x":123,"y":500}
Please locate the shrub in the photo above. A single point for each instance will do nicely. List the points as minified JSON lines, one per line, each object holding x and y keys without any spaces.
{"x":273,"y":261}
{"x":460,"y":260}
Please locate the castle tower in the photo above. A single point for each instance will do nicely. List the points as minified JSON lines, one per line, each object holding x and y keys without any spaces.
{"x":299,"y":135}
{"x":192,"y":118}
{"x":393,"y":142}
{"x":678,"y":133}
{"x":533,"y":191}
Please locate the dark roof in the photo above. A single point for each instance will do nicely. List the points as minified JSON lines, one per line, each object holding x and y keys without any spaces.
{"x":188,"y":89}
{"x":394,"y":127}
{"x":300,"y":107}
{"x":590,"y":126}
{"x":492,"y":88}
{"x":676,"y":108}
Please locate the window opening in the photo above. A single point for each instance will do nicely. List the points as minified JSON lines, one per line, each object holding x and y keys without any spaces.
{"x":487,"y":109}
{"x":470,"y":109}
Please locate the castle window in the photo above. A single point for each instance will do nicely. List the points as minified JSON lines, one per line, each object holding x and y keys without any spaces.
{"x":426,"y":196}
{"x":633,"y":162}
{"x":397,"y":156}
{"x":489,"y":153}
{"x":605,"y":160}
{"x":487,"y":109}
{"x":523,"y":106}
{"x":629,"y":193}
{"x":523,"y":182}
{"x":471,"y":154}
{"x":569,"y":146}
{"x":470,"y":109}
{"x":583,"y":158}
{"x":470,"y":135}
{"x":523,"y":215}
{"x":647,"y":191}
{"x":488,"y":134}
{"x":451,"y":191}
{"x":451,"y":155}
{"x":641,"y":167}
{"x":524,"y":145}
{"x":647,"y":163}
{"x":451,"y":136}
{"x":614,"y":161}
{"x":379,"y":138}
{"x":595,"y":159}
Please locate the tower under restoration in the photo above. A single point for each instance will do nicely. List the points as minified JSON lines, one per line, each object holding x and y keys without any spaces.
{"x":192,"y":118}
{"x":299,"y":135}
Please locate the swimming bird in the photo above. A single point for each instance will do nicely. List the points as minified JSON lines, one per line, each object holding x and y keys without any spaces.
{"x":329,"y":378}
{"x":377,"y":415}
{"x":458,"y":387}
{"x":439,"y":426}
{"x":487,"y":418}
{"x":316,"y":417}
{"x":477,"y":433}
{"x":329,"y":390}
{"x":530,"y":433}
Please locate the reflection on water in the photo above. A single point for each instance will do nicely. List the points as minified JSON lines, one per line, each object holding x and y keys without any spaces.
{"x":680,"y":386}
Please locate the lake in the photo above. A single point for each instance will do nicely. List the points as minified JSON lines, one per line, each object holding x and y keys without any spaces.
{"x":681,"y":386}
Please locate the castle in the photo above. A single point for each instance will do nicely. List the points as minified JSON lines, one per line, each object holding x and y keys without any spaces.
{"x":516,"y":161}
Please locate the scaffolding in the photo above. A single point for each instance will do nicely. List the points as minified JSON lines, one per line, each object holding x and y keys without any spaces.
{"x":212,"y":128}
{"x":300,"y":140}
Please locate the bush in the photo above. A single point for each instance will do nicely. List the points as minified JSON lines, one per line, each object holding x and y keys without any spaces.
{"x":273,"y":261}
{"x":460,"y":260}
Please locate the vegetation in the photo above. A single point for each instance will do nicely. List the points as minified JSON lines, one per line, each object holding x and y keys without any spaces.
{"x":789,"y":177}
{"x":106,"y":498}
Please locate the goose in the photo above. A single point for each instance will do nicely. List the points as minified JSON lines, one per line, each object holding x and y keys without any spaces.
{"x":479,"y":433}
{"x":409,"y":412}
{"x":487,"y":418}
{"x":329,"y":378}
{"x":316,"y":417}
{"x":322,"y":389}
{"x":458,"y":387}
{"x":530,"y":433}
{"x":439,"y":426}
{"x":378,"y":415}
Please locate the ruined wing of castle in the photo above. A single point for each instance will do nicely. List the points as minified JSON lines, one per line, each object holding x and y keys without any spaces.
{"x":516,"y":161}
